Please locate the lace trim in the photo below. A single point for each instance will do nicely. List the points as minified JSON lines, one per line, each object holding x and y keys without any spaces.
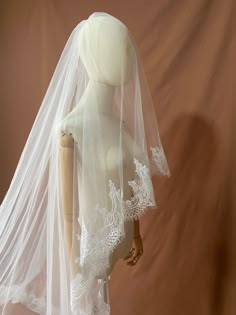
{"x":96,"y":248}
{"x":92,"y":302}
{"x":143,"y":194}
{"x":158,"y":162}
{"x":19,"y":294}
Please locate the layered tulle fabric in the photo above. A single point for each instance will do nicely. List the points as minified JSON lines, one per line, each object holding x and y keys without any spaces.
{"x":55,"y":260}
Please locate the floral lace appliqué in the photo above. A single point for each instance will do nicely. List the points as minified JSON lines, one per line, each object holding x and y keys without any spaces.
{"x":97,"y":246}
{"x":158,"y":162}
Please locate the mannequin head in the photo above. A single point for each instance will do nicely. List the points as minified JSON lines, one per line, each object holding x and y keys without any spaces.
{"x":107,"y":50}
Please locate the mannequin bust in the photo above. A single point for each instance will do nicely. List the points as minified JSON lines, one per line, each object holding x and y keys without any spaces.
{"x":110,"y":47}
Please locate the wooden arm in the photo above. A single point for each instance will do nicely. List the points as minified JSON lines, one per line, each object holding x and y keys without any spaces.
{"x":66,"y":171}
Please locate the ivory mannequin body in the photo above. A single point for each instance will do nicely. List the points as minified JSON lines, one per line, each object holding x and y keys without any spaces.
{"x":104,"y":75}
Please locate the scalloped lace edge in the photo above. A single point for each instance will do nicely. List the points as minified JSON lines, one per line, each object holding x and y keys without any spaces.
{"x":95,"y":249}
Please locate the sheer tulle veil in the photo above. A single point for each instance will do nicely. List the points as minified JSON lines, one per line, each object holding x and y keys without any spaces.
{"x":116,"y":151}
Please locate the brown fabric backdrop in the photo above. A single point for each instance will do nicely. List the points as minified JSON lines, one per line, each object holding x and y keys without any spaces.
{"x":188,"y":49}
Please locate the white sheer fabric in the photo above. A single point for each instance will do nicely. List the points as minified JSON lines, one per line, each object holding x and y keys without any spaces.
{"x":116,"y":150}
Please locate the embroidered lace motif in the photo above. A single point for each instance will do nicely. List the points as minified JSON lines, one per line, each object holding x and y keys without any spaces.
{"x":158,"y":162}
{"x":96,"y":247}
{"x":87,"y":295}
{"x":143,"y":195}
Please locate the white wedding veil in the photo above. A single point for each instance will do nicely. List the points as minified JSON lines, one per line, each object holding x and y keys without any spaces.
{"x":68,"y":213}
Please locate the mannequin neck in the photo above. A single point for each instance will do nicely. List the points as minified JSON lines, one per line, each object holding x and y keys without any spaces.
{"x":99,"y":97}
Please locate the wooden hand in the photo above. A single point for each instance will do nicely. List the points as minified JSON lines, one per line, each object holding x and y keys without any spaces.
{"x":136,"y":251}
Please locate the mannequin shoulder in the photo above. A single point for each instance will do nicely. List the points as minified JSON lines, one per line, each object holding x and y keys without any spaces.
{"x":66,"y":140}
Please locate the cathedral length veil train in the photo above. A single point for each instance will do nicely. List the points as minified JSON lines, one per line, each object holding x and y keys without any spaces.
{"x":116,"y":153}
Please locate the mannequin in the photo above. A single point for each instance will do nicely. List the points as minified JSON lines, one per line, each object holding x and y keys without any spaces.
{"x":83,"y":179}
{"x":115,"y":45}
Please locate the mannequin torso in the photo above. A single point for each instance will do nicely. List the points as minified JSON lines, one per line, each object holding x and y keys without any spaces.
{"x":98,"y":98}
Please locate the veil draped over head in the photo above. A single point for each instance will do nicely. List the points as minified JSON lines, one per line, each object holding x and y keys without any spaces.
{"x":84,"y":175}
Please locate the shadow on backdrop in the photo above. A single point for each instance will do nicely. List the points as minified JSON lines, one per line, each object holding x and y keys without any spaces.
{"x":185,"y":261}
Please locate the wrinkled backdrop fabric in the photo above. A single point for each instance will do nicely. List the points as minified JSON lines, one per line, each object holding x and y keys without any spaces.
{"x":188,"y":49}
